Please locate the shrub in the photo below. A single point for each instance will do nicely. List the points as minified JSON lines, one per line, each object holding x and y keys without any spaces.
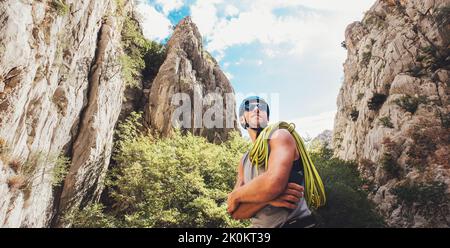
{"x":360,"y":96}
{"x":409,"y":103}
{"x":344,"y":45}
{"x":60,"y":6}
{"x":181,"y":181}
{"x":16,"y":182}
{"x":15,"y":164}
{"x":91,"y":216}
{"x":354,"y":114}
{"x":416,"y":71}
{"x":347,"y":204}
{"x":142,"y":57}
{"x":445,"y":119}
{"x":366,"y":56}
{"x":442,"y":16}
{"x":376,"y":101}
{"x":425,"y":140}
{"x":389,"y":164}
{"x":26,"y":172}
{"x":389,"y":159}
{"x":386,"y":122}
{"x":60,"y":169}
{"x":431,"y":194}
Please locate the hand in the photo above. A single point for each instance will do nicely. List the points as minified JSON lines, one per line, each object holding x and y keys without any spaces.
{"x":290,"y":197}
{"x":232,"y":203}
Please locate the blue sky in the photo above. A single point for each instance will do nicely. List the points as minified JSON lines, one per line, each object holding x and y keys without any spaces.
{"x":286,"y":50}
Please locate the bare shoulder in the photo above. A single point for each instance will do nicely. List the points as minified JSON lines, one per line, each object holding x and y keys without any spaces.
{"x":281,"y":136}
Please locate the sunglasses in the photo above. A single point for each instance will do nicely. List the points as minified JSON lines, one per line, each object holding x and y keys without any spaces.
{"x":251,"y":106}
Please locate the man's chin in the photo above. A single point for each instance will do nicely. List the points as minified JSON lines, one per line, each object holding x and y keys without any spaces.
{"x":258,"y":126}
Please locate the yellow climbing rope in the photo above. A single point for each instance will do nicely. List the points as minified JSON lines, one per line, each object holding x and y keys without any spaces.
{"x":259,"y":155}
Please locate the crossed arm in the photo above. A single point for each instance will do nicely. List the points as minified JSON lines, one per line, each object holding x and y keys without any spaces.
{"x":271,"y":187}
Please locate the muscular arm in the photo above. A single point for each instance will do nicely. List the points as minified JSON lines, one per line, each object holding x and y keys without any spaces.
{"x":272,"y":183}
{"x":245,"y":210}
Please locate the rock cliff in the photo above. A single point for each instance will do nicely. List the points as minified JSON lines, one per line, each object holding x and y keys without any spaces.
{"x":207,"y":94}
{"x":394,"y":109}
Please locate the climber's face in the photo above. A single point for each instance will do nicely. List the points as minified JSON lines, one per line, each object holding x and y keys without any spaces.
{"x":256,"y":115}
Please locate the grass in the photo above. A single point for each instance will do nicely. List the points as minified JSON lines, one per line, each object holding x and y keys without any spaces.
{"x":17,"y":182}
{"x":15,"y":164}
{"x":26,"y":171}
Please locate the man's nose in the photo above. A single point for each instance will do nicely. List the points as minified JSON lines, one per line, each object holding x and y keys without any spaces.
{"x":256,"y":109}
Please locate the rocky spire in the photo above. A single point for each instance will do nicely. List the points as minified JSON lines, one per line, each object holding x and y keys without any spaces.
{"x":191,"y":70}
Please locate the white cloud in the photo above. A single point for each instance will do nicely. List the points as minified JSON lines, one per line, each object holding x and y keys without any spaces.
{"x":311,"y":126}
{"x":307,"y":24}
{"x":204,"y":15}
{"x":155,"y":25}
{"x":231,"y":10}
{"x":170,"y":5}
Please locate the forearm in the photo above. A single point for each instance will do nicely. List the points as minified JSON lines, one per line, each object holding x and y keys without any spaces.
{"x":247,"y":210}
{"x":261,"y":189}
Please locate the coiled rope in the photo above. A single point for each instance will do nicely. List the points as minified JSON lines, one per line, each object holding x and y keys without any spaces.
{"x":259,"y":155}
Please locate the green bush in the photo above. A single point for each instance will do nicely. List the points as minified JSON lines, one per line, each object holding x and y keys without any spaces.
{"x":91,"y":216}
{"x":376,"y":101}
{"x":354,"y":114}
{"x":181,"y":181}
{"x":347,"y":204}
{"x":60,"y":169}
{"x":442,"y":16}
{"x":386,"y":122}
{"x":60,"y":6}
{"x":431,"y":194}
{"x":142,"y":57}
{"x":389,"y":164}
{"x":409,"y":103}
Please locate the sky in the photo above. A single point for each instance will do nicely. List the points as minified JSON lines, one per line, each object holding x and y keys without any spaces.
{"x":286,"y":50}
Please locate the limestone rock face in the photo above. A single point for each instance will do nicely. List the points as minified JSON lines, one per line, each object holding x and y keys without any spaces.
{"x":60,"y":93}
{"x":324,"y":139}
{"x":206,"y":92}
{"x":394,"y":109}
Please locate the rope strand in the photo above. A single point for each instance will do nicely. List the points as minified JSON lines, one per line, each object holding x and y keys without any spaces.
{"x":259,"y":156}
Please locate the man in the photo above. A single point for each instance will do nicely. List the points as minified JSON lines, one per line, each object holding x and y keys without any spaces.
{"x":271,"y":197}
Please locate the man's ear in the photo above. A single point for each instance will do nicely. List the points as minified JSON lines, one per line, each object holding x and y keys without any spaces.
{"x":242,"y":120}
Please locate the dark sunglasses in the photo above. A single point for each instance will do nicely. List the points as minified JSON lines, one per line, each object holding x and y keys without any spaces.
{"x":251,"y":106}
